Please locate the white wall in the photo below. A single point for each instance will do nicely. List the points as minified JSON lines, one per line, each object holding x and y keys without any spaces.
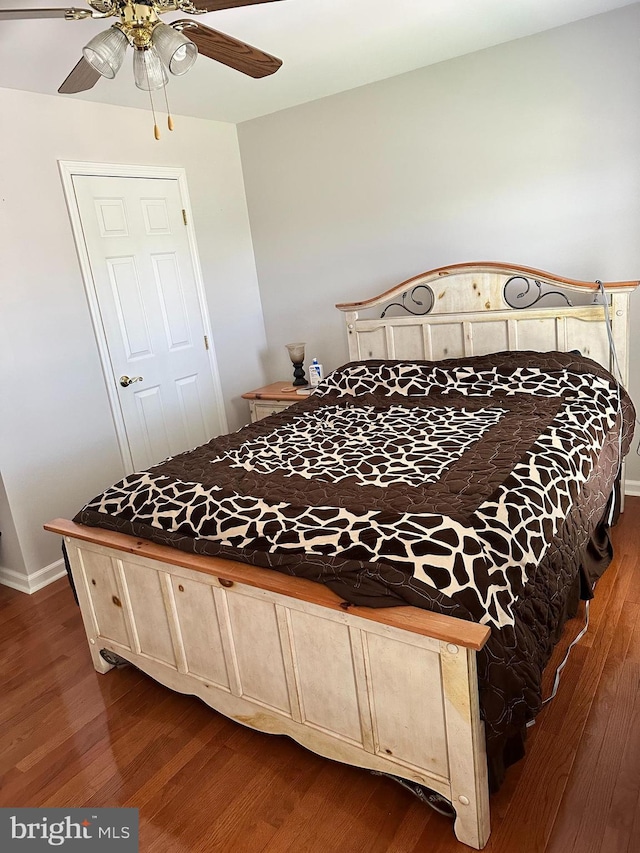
{"x":11,"y":561}
{"x":526,"y":152}
{"x":57,"y":440}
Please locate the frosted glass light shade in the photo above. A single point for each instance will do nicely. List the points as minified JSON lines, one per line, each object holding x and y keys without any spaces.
{"x":296,"y":352}
{"x":176,"y":51}
{"x":148,"y":70}
{"x":105,"y":52}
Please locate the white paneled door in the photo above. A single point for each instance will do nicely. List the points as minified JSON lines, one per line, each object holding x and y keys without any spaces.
{"x":143,"y":272}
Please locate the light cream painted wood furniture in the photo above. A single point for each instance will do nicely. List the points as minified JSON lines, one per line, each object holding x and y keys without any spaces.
{"x":271,"y":399}
{"x":393,"y":690}
{"x":480,"y":308}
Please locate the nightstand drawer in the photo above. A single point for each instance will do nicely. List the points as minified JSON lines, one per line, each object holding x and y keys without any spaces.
{"x":264,"y":408}
{"x":271,"y":399}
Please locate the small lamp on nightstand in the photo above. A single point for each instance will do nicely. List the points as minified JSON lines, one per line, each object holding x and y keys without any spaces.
{"x":296,"y":354}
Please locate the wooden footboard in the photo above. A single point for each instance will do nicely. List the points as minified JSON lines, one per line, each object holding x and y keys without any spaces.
{"x":392,"y":690}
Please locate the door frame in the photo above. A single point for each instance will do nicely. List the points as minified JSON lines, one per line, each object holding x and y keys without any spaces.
{"x":69,"y":168}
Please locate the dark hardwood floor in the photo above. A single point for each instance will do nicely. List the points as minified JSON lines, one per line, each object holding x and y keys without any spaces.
{"x":71,"y":737}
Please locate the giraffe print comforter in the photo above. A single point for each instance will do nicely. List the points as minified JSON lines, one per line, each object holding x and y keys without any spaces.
{"x":469,"y":486}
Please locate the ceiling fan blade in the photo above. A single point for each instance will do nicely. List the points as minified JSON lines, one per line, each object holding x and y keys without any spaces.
{"x":83,"y":77}
{"x":217,"y":5}
{"x":236,"y":54}
{"x":59,"y":12}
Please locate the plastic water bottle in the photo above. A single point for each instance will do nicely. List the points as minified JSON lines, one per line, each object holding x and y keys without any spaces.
{"x":315,"y":373}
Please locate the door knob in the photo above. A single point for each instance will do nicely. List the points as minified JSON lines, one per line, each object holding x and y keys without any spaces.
{"x":127,"y":380}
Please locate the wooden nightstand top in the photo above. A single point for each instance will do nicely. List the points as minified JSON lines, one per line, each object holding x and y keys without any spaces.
{"x":275,"y":392}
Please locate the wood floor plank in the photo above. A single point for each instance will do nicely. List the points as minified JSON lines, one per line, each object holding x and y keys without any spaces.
{"x":626,"y":789}
{"x":234,"y":781}
{"x":633,"y":844}
{"x":143,"y":743}
{"x":267,"y":801}
{"x":62,"y":716}
{"x":611,"y":733}
{"x":47,"y":769}
{"x":380,"y":817}
{"x":590,"y":763}
{"x":331,"y":816}
{"x":411,"y":828}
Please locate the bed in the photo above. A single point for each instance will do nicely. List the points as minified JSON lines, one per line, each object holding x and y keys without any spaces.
{"x":381,"y":571}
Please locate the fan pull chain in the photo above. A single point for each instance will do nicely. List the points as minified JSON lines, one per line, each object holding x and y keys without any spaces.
{"x":156,"y":129}
{"x":169,"y":116}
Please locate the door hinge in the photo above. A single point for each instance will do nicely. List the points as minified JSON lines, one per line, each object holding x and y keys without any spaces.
{"x":184,"y":215}
{"x":206,"y":341}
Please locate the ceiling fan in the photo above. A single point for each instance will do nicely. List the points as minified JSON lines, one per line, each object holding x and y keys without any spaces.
{"x":158,"y":47}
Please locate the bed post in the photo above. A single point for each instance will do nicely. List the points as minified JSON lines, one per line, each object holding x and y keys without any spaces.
{"x":465,"y":745}
{"x":86,"y":609}
{"x":351,"y":318}
{"x":619,"y":314}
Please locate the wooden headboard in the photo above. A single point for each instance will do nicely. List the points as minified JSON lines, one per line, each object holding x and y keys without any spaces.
{"x":482,"y":307}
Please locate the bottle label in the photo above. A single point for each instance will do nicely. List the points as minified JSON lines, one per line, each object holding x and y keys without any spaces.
{"x":315,"y":374}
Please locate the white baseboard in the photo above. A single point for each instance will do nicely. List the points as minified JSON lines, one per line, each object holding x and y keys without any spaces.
{"x":632,"y":487}
{"x":33,"y":582}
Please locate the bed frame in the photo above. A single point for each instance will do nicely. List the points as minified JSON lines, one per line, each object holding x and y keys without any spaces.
{"x":392,"y":690}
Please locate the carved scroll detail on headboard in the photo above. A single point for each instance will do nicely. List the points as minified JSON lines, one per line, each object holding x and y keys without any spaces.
{"x":411,"y":294}
{"x":529,"y":287}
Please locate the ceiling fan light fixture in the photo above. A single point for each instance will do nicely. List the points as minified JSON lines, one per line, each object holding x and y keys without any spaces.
{"x":176,"y":51}
{"x":105,"y":52}
{"x":148,"y":70}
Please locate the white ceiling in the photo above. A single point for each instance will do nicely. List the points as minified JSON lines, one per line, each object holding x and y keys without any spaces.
{"x":327,"y":46}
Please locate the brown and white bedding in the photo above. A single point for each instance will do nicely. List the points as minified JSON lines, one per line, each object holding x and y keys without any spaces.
{"x":473,"y":487}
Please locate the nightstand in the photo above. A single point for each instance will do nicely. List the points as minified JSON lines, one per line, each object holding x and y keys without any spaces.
{"x":271,"y":399}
